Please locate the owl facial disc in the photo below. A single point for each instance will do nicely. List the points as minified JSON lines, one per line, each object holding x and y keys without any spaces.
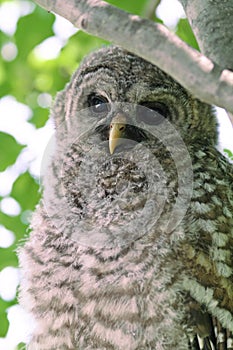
{"x":112,"y":177}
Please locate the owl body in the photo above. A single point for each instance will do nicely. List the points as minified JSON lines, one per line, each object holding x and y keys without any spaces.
{"x":131,"y":245}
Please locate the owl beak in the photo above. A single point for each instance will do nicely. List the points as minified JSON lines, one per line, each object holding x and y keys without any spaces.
{"x":117,"y":131}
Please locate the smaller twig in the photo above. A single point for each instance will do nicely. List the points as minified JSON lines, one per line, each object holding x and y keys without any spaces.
{"x":230,"y":115}
{"x":150,"y":9}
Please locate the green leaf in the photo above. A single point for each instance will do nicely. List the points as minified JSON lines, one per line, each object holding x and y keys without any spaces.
{"x":8,"y":258}
{"x":228,"y":153}
{"x":40,"y":22}
{"x":14,"y":224}
{"x":184,"y":31}
{"x":10,"y":150}
{"x":4,"y":323}
{"x":137,"y":6}
{"x":40,"y":117}
{"x":26,"y":191}
{"x":4,"y":305}
{"x":3,"y":79}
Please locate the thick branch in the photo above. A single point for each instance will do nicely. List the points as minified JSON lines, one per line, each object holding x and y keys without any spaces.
{"x":211,"y":21}
{"x":154,"y":43}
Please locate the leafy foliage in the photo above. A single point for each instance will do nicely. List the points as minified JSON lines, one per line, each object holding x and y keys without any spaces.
{"x":26,"y":76}
{"x":184,"y":31}
{"x":229,"y":154}
{"x":10,"y":150}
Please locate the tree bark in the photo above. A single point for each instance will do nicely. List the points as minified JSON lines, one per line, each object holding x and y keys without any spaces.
{"x":153,"y":42}
{"x":212,"y":23}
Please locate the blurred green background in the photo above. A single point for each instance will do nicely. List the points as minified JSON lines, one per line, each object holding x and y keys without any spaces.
{"x":39,"y":52}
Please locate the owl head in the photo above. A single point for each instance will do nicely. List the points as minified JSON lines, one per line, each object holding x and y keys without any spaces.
{"x":112,"y":75}
{"x":126,"y":135}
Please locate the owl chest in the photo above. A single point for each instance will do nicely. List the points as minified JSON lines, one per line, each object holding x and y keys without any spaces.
{"x":126,"y":302}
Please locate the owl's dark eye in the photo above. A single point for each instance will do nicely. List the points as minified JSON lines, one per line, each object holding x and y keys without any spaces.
{"x":152,"y":113}
{"x":98,"y":104}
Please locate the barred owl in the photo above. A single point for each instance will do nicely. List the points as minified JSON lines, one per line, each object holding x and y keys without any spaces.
{"x":131,"y":245}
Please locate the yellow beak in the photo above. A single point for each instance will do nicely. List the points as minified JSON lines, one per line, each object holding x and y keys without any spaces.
{"x":117,"y":131}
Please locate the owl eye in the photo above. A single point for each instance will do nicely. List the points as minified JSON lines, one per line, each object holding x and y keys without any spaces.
{"x":152,"y":113}
{"x":98,"y":104}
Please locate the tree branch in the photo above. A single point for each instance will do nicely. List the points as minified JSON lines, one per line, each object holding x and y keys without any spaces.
{"x":153,"y":42}
{"x":211,"y":21}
